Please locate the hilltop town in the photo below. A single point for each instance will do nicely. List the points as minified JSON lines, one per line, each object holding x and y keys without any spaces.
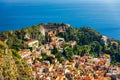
{"x":59,"y":55}
{"x":78,"y":68}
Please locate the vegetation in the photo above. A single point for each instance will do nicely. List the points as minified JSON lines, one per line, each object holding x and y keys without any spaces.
{"x":12,"y":67}
{"x":46,"y":57}
{"x":15,"y":39}
{"x":89,"y":43}
{"x":88,"y":40}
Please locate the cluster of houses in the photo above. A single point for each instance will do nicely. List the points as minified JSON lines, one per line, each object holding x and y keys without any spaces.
{"x":80,"y":68}
{"x":105,"y":40}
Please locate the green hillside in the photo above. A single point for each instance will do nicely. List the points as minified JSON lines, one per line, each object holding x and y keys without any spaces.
{"x":12,"y":67}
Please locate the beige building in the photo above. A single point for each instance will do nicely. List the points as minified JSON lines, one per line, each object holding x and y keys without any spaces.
{"x":32,"y":43}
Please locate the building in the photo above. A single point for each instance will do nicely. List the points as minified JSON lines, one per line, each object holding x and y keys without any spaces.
{"x":42,"y":30}
{"x":32,"y":43}
{"x":51,"y":33}
{"x":27,"y":36}
{"x":67,"y":25}
{"x":104,"y":40}
{"x":48,"y":52}
{"x":24,"y":53}
{"x":60,"y":29}
{"x":72,"y":43}
{"x":114,"y":43}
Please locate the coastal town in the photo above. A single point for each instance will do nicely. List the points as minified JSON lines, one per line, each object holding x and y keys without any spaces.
{"x":60,"y":40}
{"x":79,"y":68}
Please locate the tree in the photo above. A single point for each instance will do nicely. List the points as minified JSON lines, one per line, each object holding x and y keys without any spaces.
{"x":15,"y":53}
{"x":55,"y":50}
{"x":96,"y":47}
{"x":87,"y":48}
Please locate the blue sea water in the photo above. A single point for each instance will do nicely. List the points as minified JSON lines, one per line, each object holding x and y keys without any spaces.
{"x":104,"y":18}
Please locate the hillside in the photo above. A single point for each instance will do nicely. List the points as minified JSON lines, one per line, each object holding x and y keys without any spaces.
{"x":12,"y":67}
{"x":32,"y":52}
{"x":97,"y":42}
{"x":83,"y":36}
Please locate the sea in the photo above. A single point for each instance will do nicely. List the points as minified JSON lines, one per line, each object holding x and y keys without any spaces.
{"x":105,"y":18}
